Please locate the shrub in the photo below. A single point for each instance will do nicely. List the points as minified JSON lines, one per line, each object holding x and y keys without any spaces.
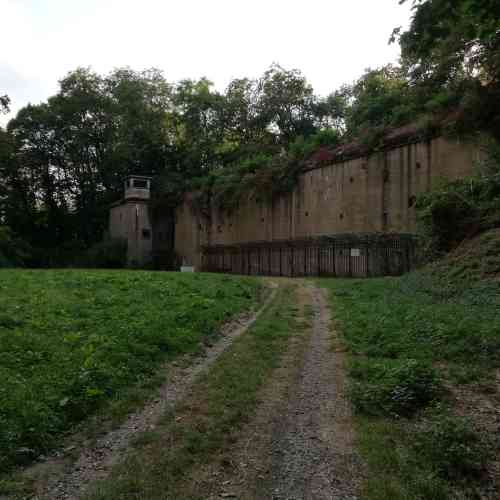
{"x":462,"y":208}
{"x":108,"y":254}
{"x":394,"y":389}
{"x":13,"y":251}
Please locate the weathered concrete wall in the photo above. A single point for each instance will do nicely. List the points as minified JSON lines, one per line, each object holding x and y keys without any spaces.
{"x":188,"y":236}
{"x":130,"y":220}
{"x":363,"y":195}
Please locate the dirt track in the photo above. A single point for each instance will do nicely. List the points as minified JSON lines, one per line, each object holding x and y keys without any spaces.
{"x":313,"y":455}
{"x":298,"y":445}
{"x":94,"y":463}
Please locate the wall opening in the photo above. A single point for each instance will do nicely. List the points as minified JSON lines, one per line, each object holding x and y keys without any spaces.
{"x":385,"y":220}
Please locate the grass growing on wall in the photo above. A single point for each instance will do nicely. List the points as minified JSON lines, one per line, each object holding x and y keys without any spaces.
{"x":70,"y":340}
{"x":410,"y":340}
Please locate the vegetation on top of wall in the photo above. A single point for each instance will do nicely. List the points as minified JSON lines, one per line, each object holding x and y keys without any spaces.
{"x":461,"y":209}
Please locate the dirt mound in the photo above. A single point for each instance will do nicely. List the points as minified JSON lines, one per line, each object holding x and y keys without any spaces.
{"x":475,"y":259}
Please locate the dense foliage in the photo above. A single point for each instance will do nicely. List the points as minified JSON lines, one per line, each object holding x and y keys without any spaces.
{"x":4,"y":103}
{"x":461,"y":209}
{"x":13,"y":251}
{"x":62,"y":162}
{"x":452,"y":51}
{"x":70,"y":340}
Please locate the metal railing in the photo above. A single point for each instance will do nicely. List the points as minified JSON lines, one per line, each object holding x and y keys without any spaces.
{"x":338,"y":255}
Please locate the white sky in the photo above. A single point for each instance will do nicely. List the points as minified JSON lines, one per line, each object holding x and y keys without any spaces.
{"x":330,"y":41}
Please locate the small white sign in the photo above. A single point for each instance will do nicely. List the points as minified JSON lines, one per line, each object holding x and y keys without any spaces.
{"x":187,"y":269}
{"x":355,"y":252}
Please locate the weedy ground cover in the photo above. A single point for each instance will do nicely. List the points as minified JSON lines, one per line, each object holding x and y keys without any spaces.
{"x":166,"y":462}
{"x":71,"y":340}
{"x":411,"y":339}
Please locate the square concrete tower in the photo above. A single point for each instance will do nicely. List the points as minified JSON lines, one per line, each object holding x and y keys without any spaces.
{"x":130,"y":219}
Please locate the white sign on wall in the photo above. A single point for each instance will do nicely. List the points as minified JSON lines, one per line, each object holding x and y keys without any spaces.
{"x":355,"y":252}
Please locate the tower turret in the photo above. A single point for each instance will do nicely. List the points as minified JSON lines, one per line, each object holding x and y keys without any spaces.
{"x":137,"y":187}
{"x":130,"y":219}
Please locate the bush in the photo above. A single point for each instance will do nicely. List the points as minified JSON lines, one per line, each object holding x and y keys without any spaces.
{"x":450,"y":446}
{"x":14,"y":252}
{"x":108,"y":254}
{"x":394,"y":389}
{"x":462,"y":208}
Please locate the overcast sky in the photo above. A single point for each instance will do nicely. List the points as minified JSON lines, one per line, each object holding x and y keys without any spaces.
{"x":330,"y":41}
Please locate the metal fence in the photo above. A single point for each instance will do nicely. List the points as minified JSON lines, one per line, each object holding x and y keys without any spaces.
{"x":341,"y":255}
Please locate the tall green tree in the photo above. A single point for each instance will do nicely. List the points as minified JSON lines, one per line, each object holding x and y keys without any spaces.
{"x":72,"y":152}
{"x":68,"y":156}
{"x":455,"y":45}
{"x":380,"y":99}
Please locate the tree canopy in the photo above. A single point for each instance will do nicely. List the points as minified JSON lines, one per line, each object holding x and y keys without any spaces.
{"x":453,"y":47}
{"x":4,"y":103}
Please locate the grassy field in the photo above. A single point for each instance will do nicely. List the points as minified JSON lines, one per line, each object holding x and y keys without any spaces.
{"x":166,"y":462}
{"x":73,"y":340}
{"x":413,"y":340}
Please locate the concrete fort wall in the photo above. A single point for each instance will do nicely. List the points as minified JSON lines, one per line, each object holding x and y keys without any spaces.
{"x":367,"y":194}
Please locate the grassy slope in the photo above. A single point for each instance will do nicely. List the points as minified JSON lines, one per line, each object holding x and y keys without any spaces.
{"x":413,"y":340}
{"x":165,"y":462}
{"x":71,"y":340}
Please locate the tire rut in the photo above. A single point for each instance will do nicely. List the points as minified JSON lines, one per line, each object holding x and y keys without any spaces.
{"x":300,"y":444}
{"x":314,"y":455}
{"x":95,"y":463}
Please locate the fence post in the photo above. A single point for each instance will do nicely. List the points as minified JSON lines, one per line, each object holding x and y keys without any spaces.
{"x":350,"y":260}
{"x":407,"y":252}
{"x":334,"y":266}
{"x":319,"y":260}
{"x":367,"y":267}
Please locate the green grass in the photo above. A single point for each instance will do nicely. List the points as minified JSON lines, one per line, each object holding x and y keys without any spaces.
{"x":165,"y":463}
{"x":72,"y":340}
{"x":408,"y":339}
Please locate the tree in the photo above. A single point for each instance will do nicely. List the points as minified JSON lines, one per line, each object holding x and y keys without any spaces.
{"x":72,"y":153}
{"x":67,"y":157}
{"x":4,"y":104}
{"x":286,"y":104}
{"x":455,"y":45}
{"x":380,"y":99}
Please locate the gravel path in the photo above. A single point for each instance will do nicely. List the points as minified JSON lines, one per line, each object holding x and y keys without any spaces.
{"x":300,"y":444}
{"x":95,"y":463}
{"x":313,"y":455}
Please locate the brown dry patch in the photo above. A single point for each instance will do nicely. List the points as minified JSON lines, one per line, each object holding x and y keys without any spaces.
{"x":483,"y":408}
